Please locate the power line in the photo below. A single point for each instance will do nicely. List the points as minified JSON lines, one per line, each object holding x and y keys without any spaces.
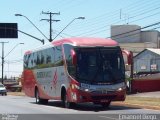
{"x":154,"y":24}
{"x":101,"y":29}
{"x":146,"y":17}
{"x":13,"y":61}
{"x":135,"y":6}
{"x":12,"y":71}
{"x":107,"y":15}
{"x":96,"y":29}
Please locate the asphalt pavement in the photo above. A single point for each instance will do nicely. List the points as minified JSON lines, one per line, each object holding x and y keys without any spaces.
{"x":26,"y":105}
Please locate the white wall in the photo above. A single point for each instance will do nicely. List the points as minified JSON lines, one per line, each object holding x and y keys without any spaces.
{"x":126,"y":33}
{"x":149,"y":36}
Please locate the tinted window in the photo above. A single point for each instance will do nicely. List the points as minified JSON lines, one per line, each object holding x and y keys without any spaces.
{"x":70,"y":66}
{"x":58,"y":56}
{"x":25,"y":61}
{"x":99,"y":65}
{"x":49,"y":57}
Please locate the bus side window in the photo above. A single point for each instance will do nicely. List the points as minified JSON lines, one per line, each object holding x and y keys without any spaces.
{"x":35,"y":59}
{"x":38,"y":58}
{"x":26,"y":61}
{"x":48,"y":59}
{"x":30,"y":61}
{"x":58,"y":56}
{"x":70,"y":66}
{"x":42,"y":58}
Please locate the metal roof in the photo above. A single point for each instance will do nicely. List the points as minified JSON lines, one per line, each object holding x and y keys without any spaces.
{"x":157,"y":51}
{"x":154,"y":50}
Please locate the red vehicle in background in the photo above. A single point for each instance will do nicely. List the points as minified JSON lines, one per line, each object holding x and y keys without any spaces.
{"x":128,"y":61}
{"x":76,"y":70}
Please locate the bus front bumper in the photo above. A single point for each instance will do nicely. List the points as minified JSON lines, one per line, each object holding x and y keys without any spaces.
{"x":83,"y":96}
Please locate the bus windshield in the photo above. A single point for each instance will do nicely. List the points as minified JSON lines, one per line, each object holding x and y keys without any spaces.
{"x":99,"y":65}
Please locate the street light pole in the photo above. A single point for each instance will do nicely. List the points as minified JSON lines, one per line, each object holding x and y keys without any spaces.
{"x":6,"y":56}
{"x":12,"y":49}
{"x":67,"y":26}
{"x":31,"y":36}
{"x":32,"y":24}
{"x":2,"y":58}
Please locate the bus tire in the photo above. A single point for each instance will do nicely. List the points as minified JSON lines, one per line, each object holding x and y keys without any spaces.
{"x":65,"y":102}
{"x":38,"y":99}
{"x":37,"y":96}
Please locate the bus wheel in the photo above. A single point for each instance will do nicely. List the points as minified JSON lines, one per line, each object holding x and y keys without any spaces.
{"x":106,"y":104}
{"x":65,"y":102}
{"x":37,"y":96}
{"x":39,"y":100}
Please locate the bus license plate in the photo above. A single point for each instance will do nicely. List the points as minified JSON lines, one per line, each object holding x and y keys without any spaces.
{"x":104,"y":100}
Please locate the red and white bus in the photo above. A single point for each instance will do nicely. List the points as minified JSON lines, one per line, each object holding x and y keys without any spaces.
{"x":75,"y":70}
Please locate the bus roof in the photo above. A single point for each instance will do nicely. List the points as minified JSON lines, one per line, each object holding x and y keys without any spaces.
{"x":78,"y":41}
{"x":87,"y":41}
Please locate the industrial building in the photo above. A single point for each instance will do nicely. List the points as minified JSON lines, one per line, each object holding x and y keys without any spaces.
{"x":132,"y":38}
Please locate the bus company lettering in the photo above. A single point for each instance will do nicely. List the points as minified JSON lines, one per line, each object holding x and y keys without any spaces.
{"x":45,"y":74}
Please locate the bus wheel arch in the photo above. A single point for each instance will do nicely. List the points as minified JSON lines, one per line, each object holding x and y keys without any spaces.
{"x":38,"y":99}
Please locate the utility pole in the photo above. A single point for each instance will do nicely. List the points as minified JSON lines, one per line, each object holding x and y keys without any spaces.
{"x":50,"y":21}
{"x":2,"y":58}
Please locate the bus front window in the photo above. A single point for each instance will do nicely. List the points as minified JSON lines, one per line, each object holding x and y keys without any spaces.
{"x":99,"y":65}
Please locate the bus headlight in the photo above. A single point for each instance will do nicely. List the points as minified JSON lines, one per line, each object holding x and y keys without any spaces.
{"x":86,"y":90}
{"x":74,"y":86}
{"x":119,"y":89}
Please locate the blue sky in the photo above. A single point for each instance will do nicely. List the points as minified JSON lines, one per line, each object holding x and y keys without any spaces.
{"x":99,"y":16}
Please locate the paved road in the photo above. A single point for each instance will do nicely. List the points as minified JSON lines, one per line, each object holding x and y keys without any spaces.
{"x":25,"y":108}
